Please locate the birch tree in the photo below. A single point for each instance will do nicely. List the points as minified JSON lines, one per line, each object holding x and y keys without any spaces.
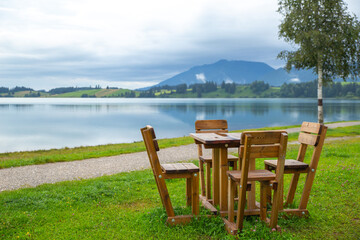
{"x":326,"y":37}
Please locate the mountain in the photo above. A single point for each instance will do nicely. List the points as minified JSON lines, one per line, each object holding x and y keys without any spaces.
{"x":280,"y":76}
{"x":241,"y":72}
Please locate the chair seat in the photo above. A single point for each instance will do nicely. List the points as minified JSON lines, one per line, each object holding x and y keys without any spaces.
{"x":206,"y":159}
{"x":179,"y":168}
{"x":290,"y":164}
{"x":253,"y":175}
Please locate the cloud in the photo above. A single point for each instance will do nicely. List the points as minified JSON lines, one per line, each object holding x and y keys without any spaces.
{"x":200,"y":77}
{"x":295,"y":80}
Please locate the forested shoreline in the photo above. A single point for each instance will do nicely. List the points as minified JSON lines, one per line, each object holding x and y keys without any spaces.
{"x":257,"y":89}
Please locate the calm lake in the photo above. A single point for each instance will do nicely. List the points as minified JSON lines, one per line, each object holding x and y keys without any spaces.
{"x":44,"y":123}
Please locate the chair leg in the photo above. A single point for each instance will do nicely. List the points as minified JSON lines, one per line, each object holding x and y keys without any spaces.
{"x":241,"y":207}
{"x":264,"y":186}
{"x":268,"y":190}
{"x":307,"y":189}
{"x":292,"y":189}
{"x":195,"y":194}
{"x":232,"y":188}
{"x":235,"y":168}
{"x":251,"y":195}
{"x":202,"y":178}
{"x":208,"y":181}
{"x":188,"y":191}
{"x":275,"y":208}
{"x":281,"y":193}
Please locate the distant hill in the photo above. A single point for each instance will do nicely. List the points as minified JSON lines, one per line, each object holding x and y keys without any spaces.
{"x":281,"y":76}
{"x":240,"y":72}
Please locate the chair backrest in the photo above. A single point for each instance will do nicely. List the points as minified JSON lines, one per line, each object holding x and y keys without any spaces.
{"x":152,"y":147}
{"x":264,"y":144}
{"x":312,"y":134}
{"x":210,"y":126}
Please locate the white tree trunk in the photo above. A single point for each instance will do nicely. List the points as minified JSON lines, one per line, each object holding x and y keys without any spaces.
{"x":319,"y":93}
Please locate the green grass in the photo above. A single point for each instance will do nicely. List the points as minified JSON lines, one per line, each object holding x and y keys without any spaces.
{"x":17,"y":159}
{"x":127,"y":206}
{"x":77,"y":94}
{"x":241,"y":92}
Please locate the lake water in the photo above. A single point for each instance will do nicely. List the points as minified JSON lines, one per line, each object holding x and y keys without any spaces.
{"x":44,"y":123}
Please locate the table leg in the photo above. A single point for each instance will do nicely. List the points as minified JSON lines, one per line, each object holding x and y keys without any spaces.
{"x":215,"y":175}
{"x":224,"y":167}
{"x":251,"y":194}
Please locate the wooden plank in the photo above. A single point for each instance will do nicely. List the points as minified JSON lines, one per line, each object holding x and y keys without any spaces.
{"x":232,"y":187}
{"x":264,"y":185}
{"x":214,"y":139}
{"x":264,"y":151}
{"x":243,"y":182}
{"x":188,"y":191}
{"x":253,"y":175}
{"x":252,"y":193}
{"x":181,"y":219}
{"x":170,"y":168}
{"x":202,"y":178}
{"x":263,"y":137}
{"x":208,"y":181}
{"x":156,"y":145}
{"x":191,"y":167}
{"x":289,"y":164}
{"x":176,"y":175}
{"x":224,"y":167}
{"x":311,"y":127}
{"x":231,"y":158}
{"x":230,"y":227}
{"x":302,"y":152}
{"x":211,"y":124}
{"x":296,"y":212}
{"x":216,"y":175}
{"x":308,"y":139}
{"x":195,"y":194}
{"x":207,"y":204}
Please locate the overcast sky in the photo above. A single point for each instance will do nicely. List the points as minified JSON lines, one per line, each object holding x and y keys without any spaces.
{"x":131,"y":44}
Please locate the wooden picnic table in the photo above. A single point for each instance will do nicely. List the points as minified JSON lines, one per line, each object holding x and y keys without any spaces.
{"x":219,"y":143}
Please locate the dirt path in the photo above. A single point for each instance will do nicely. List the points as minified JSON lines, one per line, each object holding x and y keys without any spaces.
{"x":34,"y":175}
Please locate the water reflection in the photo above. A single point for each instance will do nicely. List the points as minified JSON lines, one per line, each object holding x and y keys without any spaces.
{"x":27,"y":124}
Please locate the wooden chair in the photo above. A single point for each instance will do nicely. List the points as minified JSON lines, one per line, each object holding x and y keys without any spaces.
{"x":312,"y":134}
{"x":210,"y":126}
{"x":262,"y":144}
{"x":170,"y":171}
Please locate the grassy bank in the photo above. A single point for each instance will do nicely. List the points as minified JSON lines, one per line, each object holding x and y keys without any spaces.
{"x":79,"y":153}
{"x":127,"y":206}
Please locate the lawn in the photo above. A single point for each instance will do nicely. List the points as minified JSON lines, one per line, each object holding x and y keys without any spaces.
{"x":16,"y":159}
{"x":127,"y":206}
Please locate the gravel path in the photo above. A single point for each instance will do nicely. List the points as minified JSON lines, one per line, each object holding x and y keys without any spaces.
{"x":34,"y":175}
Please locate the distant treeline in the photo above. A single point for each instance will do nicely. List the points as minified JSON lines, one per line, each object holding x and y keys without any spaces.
{"x":309,"y":90}
{"x":15,"y":89}
{"x":255,"y":89}
{"x":53,"y":91}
